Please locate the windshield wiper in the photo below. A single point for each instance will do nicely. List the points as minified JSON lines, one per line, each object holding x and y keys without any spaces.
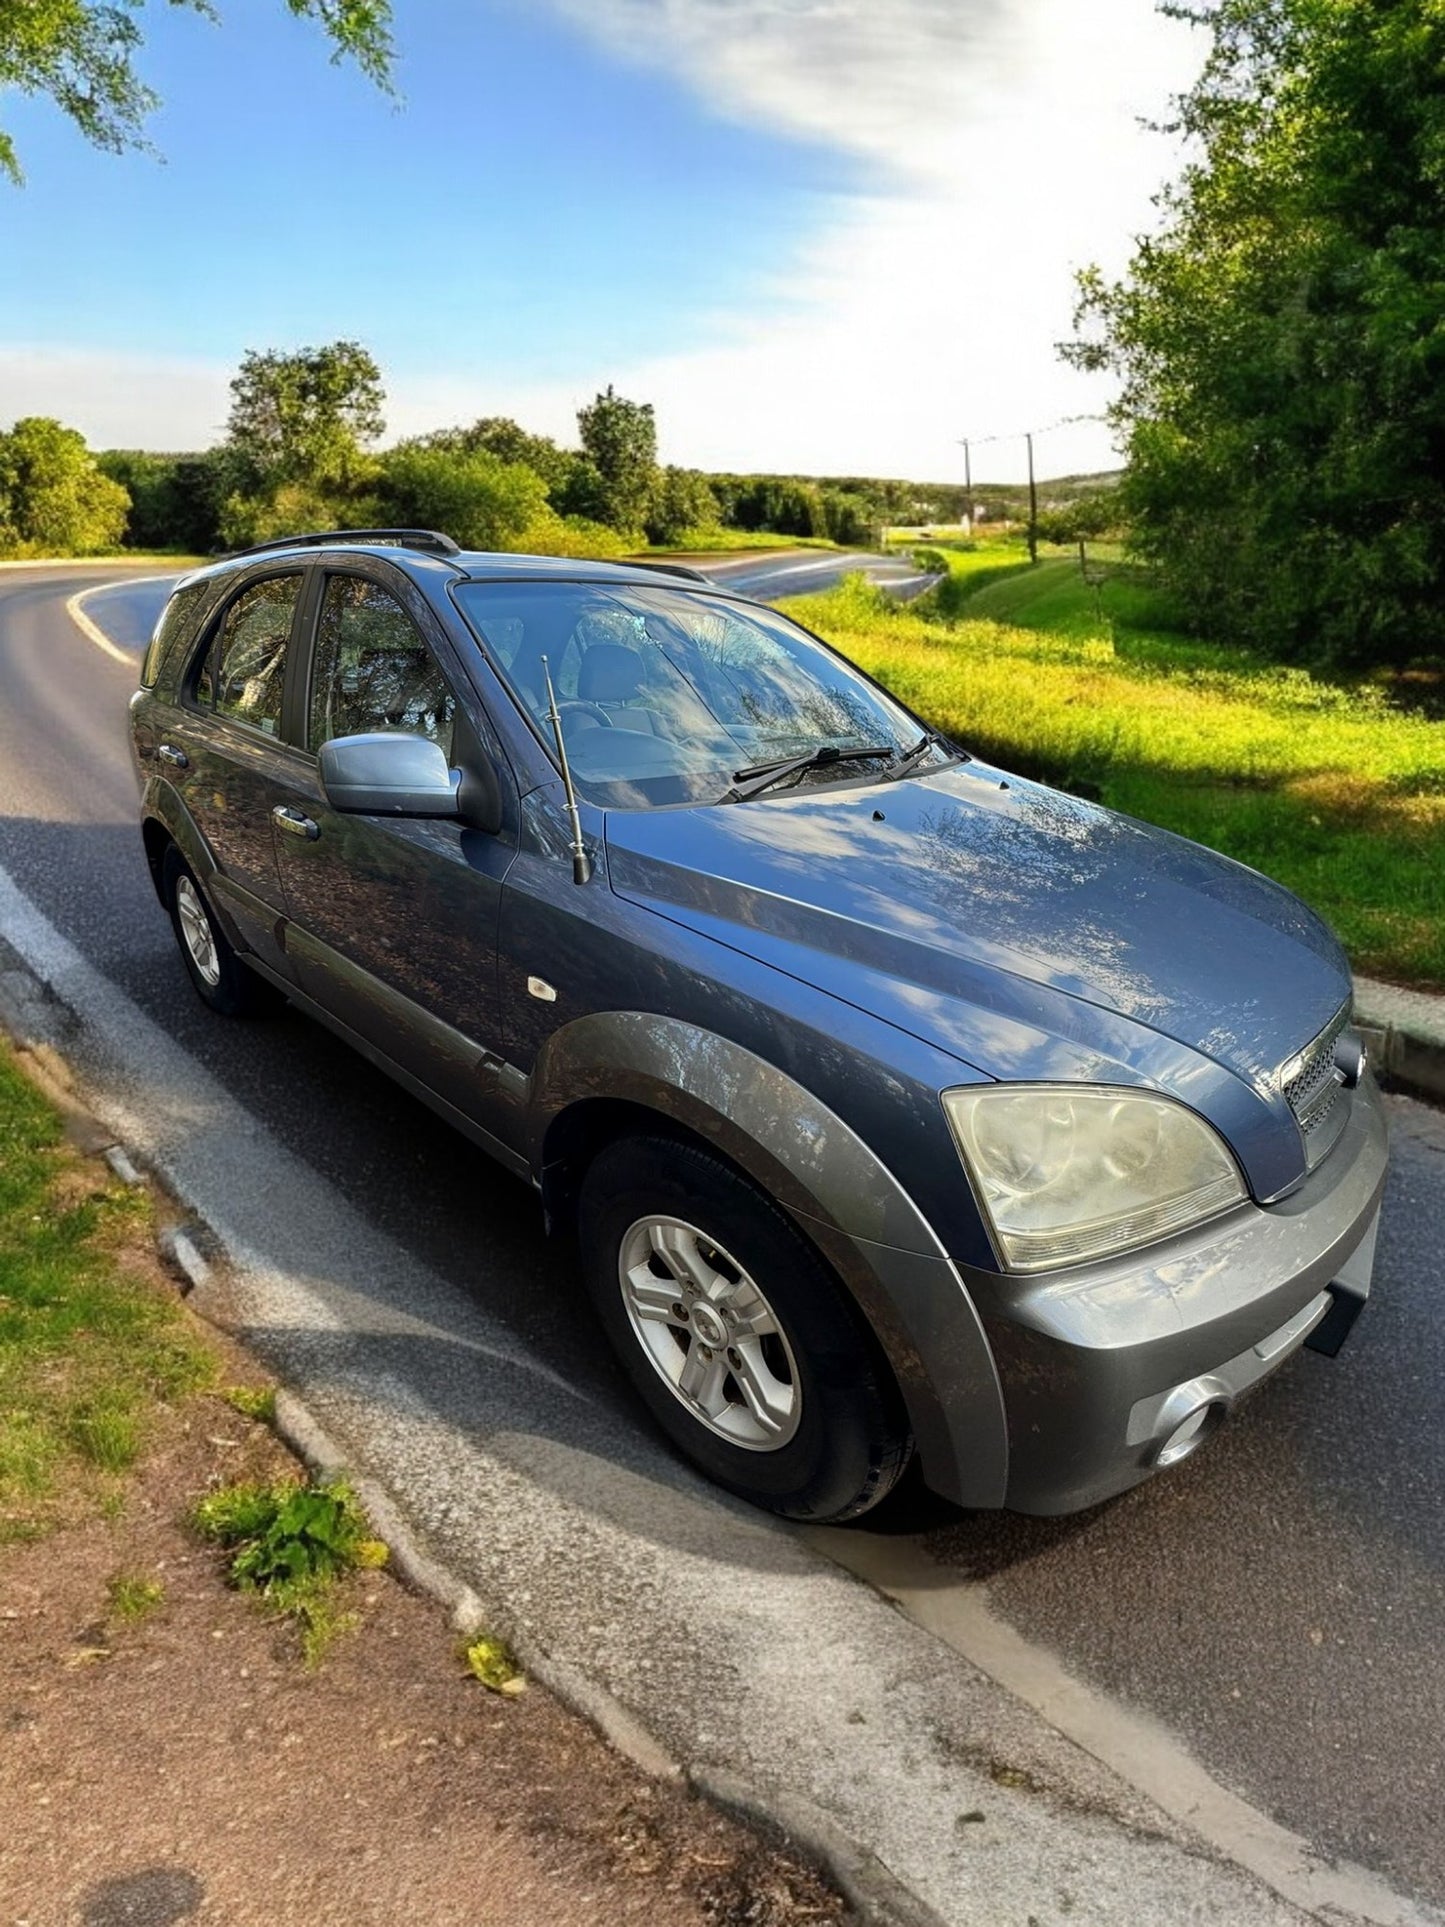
{"x":752,"y":782}
{"x":911,"y":758}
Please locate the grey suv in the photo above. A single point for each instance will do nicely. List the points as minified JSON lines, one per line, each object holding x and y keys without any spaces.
{"x":899,"y":1104}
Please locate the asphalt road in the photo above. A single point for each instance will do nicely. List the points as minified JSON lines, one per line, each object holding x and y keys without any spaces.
{"x":1279,"y":1602}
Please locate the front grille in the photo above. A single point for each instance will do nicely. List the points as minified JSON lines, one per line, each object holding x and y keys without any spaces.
{"x":1316,"y":1091}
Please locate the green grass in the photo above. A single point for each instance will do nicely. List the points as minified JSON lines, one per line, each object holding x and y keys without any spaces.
{"x":86,"y":1353}
{"x":290,"y":1544}
{"x":252,"y":1401}
{"x":131,"y":1598}
{"x":173,"y":558}
{"x":970,"y":567}
{"x":1322,"y":785}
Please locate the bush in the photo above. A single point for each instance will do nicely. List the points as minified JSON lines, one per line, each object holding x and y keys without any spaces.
{"x":175,"y":500}
{"x":554,"y":534}
{"x":683,"y":502}
{"x":479,"y":500}
{"x":54,"y":500}
{"x":292,"y":509}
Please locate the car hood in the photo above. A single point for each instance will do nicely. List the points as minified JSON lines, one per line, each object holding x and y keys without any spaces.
{"x":981,"y":911}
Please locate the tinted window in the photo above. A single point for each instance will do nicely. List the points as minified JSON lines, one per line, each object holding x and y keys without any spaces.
{"x":372,"y":669}
{"x":245,"y":667}
{"x":175,"y":621}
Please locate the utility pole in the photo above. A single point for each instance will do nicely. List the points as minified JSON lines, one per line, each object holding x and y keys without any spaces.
{"x":967,"y":487}
{"x":1033,"y":503}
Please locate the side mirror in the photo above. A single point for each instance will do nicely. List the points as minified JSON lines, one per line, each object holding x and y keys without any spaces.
{"x":386,"y":773}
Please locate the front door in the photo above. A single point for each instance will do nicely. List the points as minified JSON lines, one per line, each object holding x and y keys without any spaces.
{"x":393,"y":921}
{"x":234,"y":768}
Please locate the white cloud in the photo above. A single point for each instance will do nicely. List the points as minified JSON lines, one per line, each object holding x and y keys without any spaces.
{"x":885,"y":80}
{"x":1004,"y":140}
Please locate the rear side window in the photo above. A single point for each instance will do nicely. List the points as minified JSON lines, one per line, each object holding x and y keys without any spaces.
{"x":373,"y":670}
{"x":245,"y":668}
{"x":174,"y":622}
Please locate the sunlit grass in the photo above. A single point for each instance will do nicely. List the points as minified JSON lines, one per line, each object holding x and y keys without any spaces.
{"x":86,"y":1353}
{"x":1325,"y":786}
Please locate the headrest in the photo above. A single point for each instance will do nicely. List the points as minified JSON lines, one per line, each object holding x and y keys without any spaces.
{"x":609,"y":674}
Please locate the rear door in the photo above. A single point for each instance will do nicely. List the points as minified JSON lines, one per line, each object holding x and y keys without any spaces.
{"x":393,"y":921}
{"x":224,"y":749}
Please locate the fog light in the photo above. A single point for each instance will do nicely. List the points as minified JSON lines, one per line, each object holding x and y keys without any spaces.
{"x":1191,"y":1431}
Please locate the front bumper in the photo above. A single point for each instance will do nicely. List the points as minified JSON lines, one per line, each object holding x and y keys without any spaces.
{"x":1090,"y":1360}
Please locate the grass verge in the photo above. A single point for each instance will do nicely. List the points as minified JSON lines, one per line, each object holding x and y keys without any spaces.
{"x":87,"y":1355}
{"x":1322,"y":785}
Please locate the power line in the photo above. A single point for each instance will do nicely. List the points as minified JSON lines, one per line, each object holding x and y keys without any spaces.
{"x":1026,"y":436}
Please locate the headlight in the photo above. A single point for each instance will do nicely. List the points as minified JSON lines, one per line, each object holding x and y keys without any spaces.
{"x":1068,"y":1172}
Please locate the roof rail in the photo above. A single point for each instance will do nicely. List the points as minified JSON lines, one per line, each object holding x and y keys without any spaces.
{"x":669,"y":568}
{"x":430,"y":540}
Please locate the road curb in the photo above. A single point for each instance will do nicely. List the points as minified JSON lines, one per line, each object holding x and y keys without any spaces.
{"x":865,"y":1883}
{"x":1405,"y":1033}
{"x":876,"y":1895}
{"x":194,"y":1253}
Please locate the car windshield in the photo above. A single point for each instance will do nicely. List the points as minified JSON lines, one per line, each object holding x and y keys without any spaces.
{"x":667,"y":696}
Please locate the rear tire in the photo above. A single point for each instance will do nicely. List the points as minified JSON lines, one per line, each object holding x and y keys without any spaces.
{"x":221,"y":979}
{"x":747,"y":1350}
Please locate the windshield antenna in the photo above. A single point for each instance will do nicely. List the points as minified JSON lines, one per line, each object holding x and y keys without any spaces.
{"x":581,"y":862}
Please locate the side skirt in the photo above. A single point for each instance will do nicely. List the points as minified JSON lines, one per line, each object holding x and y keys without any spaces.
{"x":509,"y":1159}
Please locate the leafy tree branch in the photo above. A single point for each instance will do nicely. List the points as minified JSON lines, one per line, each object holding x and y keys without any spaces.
{"x":82,"y":55}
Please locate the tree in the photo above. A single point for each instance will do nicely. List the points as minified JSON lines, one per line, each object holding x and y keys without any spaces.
{"x":477,"y":499}
{"x":500,"y":436}
{"x":681,"y":502}
{"x":304,"y":417}
{"x":849,"y":517}
{"x":81,"y":54}
{"x":53,"y":498}
{"x":1088,"y":518}
{"x":175,"y":500}
{"x":782,"y":504}
{"x":619,"y":439}
{"x":1281,"y":340}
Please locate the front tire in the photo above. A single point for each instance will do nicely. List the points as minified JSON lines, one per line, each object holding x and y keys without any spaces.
{"x":742,"y":1343}
{"x":220,"y":977}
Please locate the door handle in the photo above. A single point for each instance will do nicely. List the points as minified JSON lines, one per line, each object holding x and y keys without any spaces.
{"x":177,"y":758}
{"x":294,"y":822}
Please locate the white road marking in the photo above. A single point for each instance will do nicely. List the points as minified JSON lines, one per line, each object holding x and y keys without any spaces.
{"x":92,"y":631}
{"x":1129,"y":1743}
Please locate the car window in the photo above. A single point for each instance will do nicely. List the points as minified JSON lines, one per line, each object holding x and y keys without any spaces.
{"x":665,"y":695}
{"x":372,"y":669}
{"x":175,"y":620}
{"x":245,"y":668}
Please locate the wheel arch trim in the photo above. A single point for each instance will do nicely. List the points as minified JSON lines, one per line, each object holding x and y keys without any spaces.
{"x":165,"y":819}
{"x":845,"y":1200}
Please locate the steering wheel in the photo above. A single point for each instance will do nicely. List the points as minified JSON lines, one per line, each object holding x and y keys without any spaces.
{"x":594,"y":710}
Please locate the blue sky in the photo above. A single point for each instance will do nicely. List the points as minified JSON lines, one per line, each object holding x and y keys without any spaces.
{"x":815,"y":237}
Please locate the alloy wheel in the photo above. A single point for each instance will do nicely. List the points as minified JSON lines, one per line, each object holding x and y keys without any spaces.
{"x":196,"y":932}
{"x":709,"y":1333}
